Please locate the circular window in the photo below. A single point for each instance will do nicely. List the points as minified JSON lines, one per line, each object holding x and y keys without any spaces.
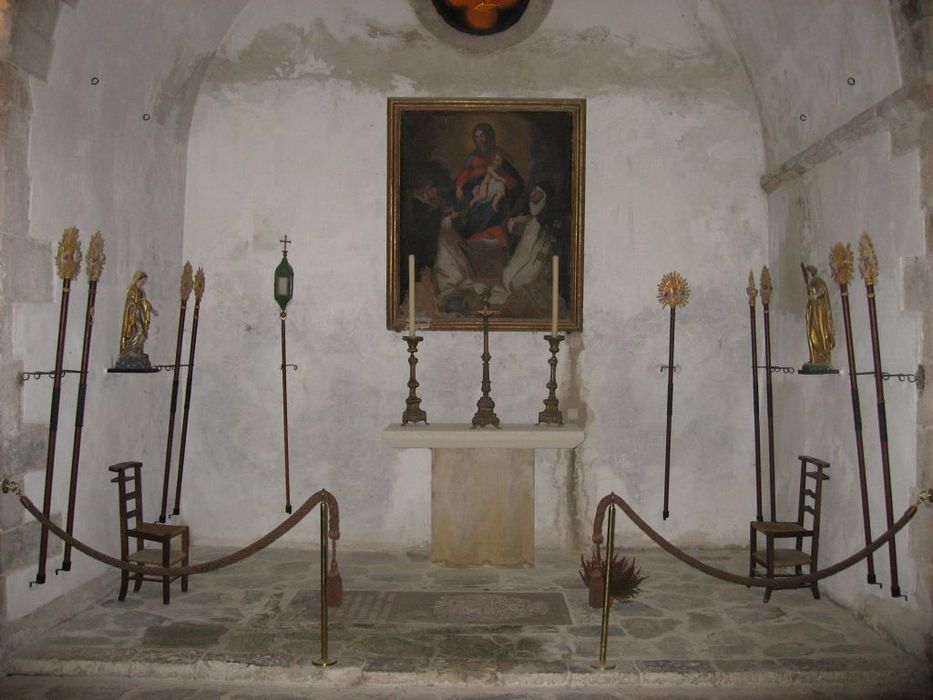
{"x":481,"y":17}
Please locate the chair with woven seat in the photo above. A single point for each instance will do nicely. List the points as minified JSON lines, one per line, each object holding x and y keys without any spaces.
{"x":808,"y":503}
{"x":131,"y":509}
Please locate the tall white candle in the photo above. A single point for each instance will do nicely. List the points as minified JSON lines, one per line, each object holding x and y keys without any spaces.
{"x":554,"y":270}
{"x":411,"y":296}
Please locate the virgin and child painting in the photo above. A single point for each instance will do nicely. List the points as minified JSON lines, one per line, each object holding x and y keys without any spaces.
{"x":483,"y":193}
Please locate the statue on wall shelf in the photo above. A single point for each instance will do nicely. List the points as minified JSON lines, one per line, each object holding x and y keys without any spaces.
{"x":819,"y":322}
{"x":137,"y":314}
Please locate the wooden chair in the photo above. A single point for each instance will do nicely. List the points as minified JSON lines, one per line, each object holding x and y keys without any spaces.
{"x":131,"y":508}
{"x":809,"y":502}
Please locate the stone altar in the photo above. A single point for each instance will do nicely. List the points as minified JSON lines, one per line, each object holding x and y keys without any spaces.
{"x":483,"y":487}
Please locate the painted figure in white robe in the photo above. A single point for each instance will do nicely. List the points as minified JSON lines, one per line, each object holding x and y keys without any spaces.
{"x":530,"y":262}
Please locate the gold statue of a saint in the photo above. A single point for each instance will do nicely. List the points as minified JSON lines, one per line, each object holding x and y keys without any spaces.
{"x":821,"y":336}
{"x":137,"y":314}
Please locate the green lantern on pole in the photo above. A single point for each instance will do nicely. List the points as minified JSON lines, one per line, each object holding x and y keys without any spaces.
{"x":284,"y":278}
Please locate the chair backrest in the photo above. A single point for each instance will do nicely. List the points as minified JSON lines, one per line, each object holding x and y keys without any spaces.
{"x":810,"y":500}
{"x":131,"y":501}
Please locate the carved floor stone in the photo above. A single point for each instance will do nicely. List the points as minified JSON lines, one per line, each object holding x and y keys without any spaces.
{"x":412,"y":629}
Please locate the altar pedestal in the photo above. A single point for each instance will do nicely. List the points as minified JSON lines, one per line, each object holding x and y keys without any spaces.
{"x":483,"y":487}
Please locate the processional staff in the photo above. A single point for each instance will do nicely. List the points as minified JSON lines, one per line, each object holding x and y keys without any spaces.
{"x":752,"y":292}
{"x":672,"y":292}
{"x":185,"y":291}
{"x":284,"y":288}
{"x":198,"y":293}
{"x":94,"y":265}
{"x":765,"y":285}
{"x":841,"y":263}
{"x":868,"y":267}
{"x":68,"y":262}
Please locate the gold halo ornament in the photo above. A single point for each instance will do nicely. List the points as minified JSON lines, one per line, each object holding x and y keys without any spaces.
{"x":199,"y":284}
{"x":751,"y":290}
{"x":68,"y":259}
{"x":673,"y":290}
{"x":95,"y":257}
{"x":765,"y":285}
{"x":186,"y":281}
{"x":867,"y":259}
{"x":841,"y":263}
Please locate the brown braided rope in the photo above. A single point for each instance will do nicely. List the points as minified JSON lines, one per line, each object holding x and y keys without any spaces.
{"x":782,"y":582}
{"x":204,"y":567}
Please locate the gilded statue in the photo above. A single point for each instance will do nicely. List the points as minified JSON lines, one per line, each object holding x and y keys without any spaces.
{"x":819,"y":319}
{"x":137,"y":315}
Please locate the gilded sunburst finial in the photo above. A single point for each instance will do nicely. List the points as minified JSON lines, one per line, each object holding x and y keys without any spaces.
{"x":199,"y":284}
{"x":673,"y":290}
{"x":867,"y":259}
{"x":68,"y":260}
{"x":95,"y":257}
{"x":841,"y":263}
{"x":186,"y":281}
{"x":751,"y":290}
{"x":765,"y":285}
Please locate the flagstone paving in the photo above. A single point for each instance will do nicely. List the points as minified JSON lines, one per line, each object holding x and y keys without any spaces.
{"x":407,"y":623}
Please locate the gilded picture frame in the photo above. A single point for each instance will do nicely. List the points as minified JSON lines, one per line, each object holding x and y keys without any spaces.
{"x":483,"y":192}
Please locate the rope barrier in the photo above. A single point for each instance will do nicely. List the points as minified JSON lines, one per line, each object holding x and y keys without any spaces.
{"x":204,"y":567}
{"x":776,"y":583}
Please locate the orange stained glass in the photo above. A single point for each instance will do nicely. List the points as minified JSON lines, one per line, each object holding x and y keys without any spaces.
{"x":482,"y":14}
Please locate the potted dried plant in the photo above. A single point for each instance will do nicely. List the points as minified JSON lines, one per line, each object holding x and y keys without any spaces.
{"x":624,"y":578}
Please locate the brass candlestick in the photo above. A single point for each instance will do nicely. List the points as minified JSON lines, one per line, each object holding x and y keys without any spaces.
{"x":485,"y":407}
{"x":551,"y":414}
{"x":413,"y":411}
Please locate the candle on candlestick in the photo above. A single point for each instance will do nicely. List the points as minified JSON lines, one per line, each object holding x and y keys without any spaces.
{"x":411,"y":296}
{"x":554,"y":269}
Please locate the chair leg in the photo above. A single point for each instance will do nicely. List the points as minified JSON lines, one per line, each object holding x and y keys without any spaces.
{"x":752,"y":549}
{"x":815,"y":586}
{"x":769,"y":544}
{"x":184,"y":562}
{"x":124,"y":584}
{"x":166,"y":561}
{"x":137,"y":582}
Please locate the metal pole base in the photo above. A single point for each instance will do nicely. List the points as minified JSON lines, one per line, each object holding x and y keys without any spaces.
{"x":602,"y":667}
{"x":324,"y":662}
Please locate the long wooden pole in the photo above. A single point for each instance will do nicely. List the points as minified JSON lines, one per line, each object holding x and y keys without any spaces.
{"x":198,"y":293}
{"x":95,"y":262}
{"x":868,"y":266}
{"x":670,"y":415}
{"x":756,"y":411}
{"x":769,"y":394}
{"x":173,"y":406}
{"x":288,"y":497}
{"x":883,"y":435}
{"x":68,"y":261}
{"x":857,"y":419}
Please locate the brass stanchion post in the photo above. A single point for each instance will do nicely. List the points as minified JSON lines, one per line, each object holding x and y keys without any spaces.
{"x":601,"y":665}
{"x":324,"y":660}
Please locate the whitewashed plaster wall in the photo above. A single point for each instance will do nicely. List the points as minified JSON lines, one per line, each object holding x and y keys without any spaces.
{"x":868,"y":186}
{"x":289,"y":138}
{"x":95,"y":163}
{"x":800,"y":55}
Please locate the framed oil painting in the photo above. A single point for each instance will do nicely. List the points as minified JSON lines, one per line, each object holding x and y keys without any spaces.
{"x":483,"y":192}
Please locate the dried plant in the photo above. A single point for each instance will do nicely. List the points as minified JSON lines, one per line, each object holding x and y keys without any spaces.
{"x":624,"y":577}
